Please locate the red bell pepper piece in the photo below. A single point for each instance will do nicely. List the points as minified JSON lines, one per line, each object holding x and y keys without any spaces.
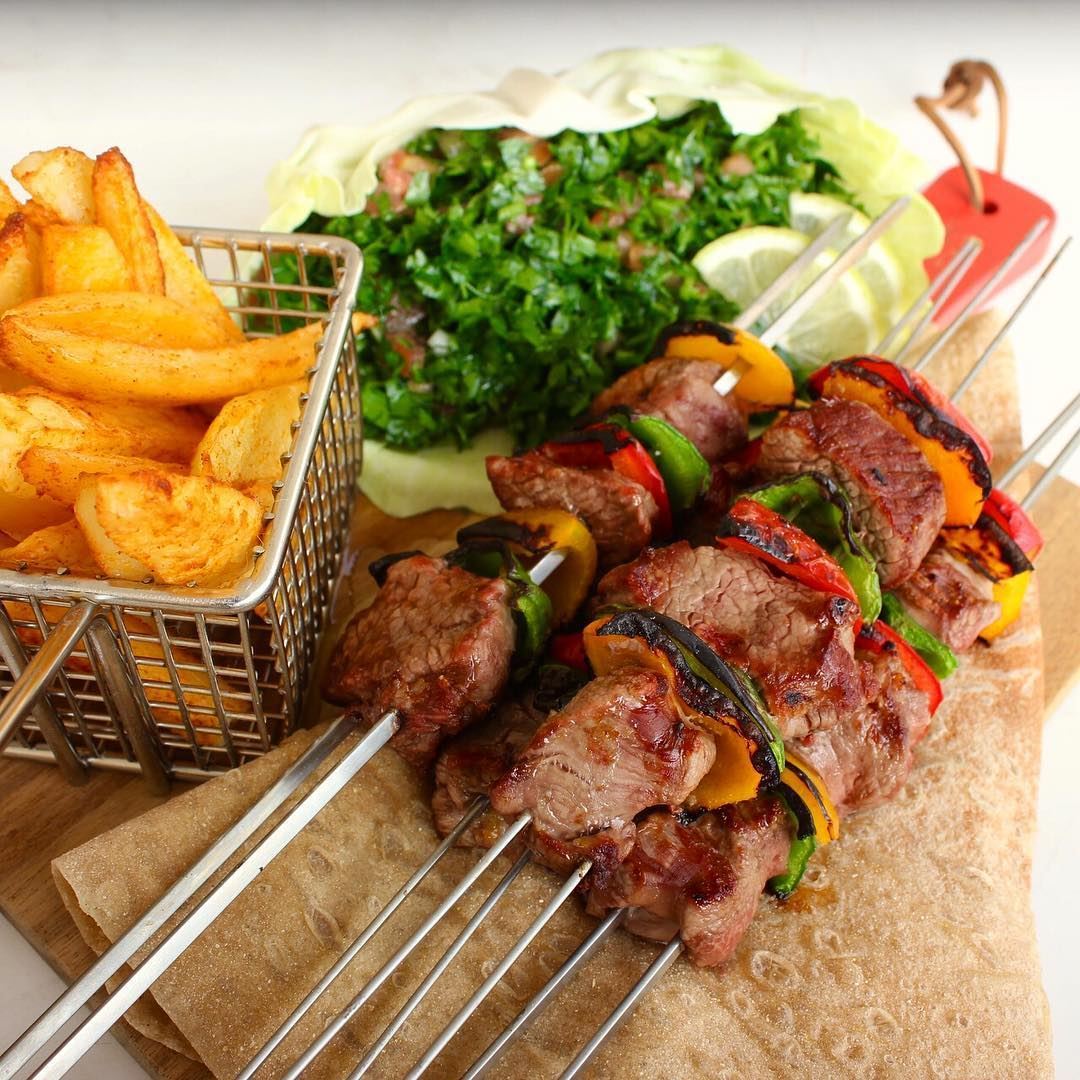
{"x":1012,"y":517}
{"x":569,"y":649}
{"x":751,"y":527}
{"x":614,"y":448}
{"x":880,"y":638}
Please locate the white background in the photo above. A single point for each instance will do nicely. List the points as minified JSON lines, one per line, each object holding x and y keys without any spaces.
{"x":204,"y":98}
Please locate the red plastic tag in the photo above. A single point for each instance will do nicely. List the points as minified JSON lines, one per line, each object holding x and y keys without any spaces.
{"x":1010,"y":213}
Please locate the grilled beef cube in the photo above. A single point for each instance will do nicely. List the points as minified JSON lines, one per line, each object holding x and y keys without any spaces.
{"x":896,"y":496}
{"x":681,"y":392}
{"x":701,"y":879}
{"x":435,"y":645}
{"x":620,"y":513}
{"x":950,"y":599}
{"x":798,"y":644}
{"x":470,"y":763}
{"x":616,"y":749}
{"x":867,"y":757}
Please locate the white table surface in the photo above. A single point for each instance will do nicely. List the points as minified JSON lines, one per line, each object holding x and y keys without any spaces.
{"x":204,"y":98}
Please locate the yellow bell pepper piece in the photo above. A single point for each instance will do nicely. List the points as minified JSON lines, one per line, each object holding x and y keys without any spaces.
{"x":1009,"y":594}
{"x":811,"y":790}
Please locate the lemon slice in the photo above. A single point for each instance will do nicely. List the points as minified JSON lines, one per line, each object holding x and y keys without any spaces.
{"x":845,"y":321}
{"x":879,"y":267}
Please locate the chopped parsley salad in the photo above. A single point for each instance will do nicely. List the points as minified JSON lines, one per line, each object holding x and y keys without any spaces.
{"x":516,"y":277}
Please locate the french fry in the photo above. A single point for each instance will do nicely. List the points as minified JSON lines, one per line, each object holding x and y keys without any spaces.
{"x":23,"y":515}
{"x":184,"y":282}
{"x":81,"y":258}
{"x":119,"y":208}
{"x":8,"y":203}
{"x":20,"y":261}
{"x":130,"y":317}
{"x":118,"y":371}
{"x":173,"y":529}
{"x":247,"y":439}
{"x":59,"y":180}
{"x":53,"y":548}
{"x":57,"y":472}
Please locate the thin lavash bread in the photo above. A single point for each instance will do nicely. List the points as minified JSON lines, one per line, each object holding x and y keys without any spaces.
{"x":909,"y":951}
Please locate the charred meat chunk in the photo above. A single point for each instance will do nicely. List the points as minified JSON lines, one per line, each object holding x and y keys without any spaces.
{"x":681,"y":392}
{"x":620,"y":513}
{"x":796,"y":643}
{"x":619,"y":747}
{"x":435,"y":645}
{"x":866,"y":758}
{"x":896,"y":495}
{"x":950,"y":599}
{"x":699,"y":878}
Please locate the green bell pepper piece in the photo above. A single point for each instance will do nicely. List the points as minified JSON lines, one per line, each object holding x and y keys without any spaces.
{"x":686,"y":473}
{"x":783,"y":885}
{"x":818,"y":507}
{"x":532,"y":614}
{"x":939,"y":657}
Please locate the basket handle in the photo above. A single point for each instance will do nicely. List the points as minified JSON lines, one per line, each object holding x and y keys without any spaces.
{"x":34,"y":678}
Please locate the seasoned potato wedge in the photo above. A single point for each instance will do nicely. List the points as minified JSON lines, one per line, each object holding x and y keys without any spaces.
{"x":129,"y":317}
{"x":8,"y":203}
{"x":59,"y":180}
{"x":58,"y":472}
{"x":53,"y":548}
{"x":23,"y":515}
{"x":118,"y":206}
{"x":118,"y":371}
{"x":81,"y":258}
{"x":184,"y":281}
{"x":174,"y":529}
{"x":246,"y":441}
{"x":20,"y":261}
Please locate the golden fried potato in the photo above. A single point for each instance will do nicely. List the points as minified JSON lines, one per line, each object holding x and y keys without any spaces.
{"x":23,"y":515}
{"x":20,"y":262}
{"x":174,"y":529}
{"x":130,"y":317}
{"x":118,"y":206}
{"x":81,"y":258}
{"x":53,"y":548}
{"x":118,"y":371}
{"x":58,"y":472}
{"x":185,"y":282}
{"x":60,"y":181}
{"x":8,"y":203}
{"x":247,"y":439}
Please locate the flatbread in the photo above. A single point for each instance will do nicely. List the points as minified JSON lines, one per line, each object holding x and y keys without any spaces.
{"x":910,"y":950}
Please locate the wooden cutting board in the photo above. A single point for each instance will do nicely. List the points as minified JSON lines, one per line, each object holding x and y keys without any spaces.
{"x":41,"y":817}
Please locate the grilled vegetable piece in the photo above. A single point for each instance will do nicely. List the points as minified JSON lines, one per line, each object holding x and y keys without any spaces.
{"x":767,"y":382}
{"x":719,"y":698}
{"x":752,"y":527}
{"x":814,"y":504}
{"x":681,"y":392}
{"x":896,"y":495}
{"x":918,"y":412}
{"x":1012,"y":517}
{"x":685,"y":472}
{"x":938,"y":656}
{"x":531,"y":534}
{"x":992,"y":552}
{"x":880,"y":638}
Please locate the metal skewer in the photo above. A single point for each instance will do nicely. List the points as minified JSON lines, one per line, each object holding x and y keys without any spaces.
{"x":987,"y":288}
{"x":1040,"y":441}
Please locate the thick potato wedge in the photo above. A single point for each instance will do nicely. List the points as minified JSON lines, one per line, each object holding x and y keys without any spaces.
{"x":23,"y":515}
{"x":130,"y":317}
{"x":8,"y":203}
{"x":247,"y":439}
{"x":117,"y":371}
{"x":56,"y":547}
{"x":57,"y":472}
{"x":174,"y":529}
{"x":81,"y":258}
{"x":20,"y":262}
{"x":119,"y":208}
{"x":61,"y":181}
{"x":185,"y":283}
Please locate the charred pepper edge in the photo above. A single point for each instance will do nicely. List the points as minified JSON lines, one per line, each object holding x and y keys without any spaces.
{"x":726,"y":335}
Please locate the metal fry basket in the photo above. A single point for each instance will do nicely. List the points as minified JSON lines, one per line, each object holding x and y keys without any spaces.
{"x":188,"y":681}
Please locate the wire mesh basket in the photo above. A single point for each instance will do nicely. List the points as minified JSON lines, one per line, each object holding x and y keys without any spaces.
{"x":191,"y":681}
